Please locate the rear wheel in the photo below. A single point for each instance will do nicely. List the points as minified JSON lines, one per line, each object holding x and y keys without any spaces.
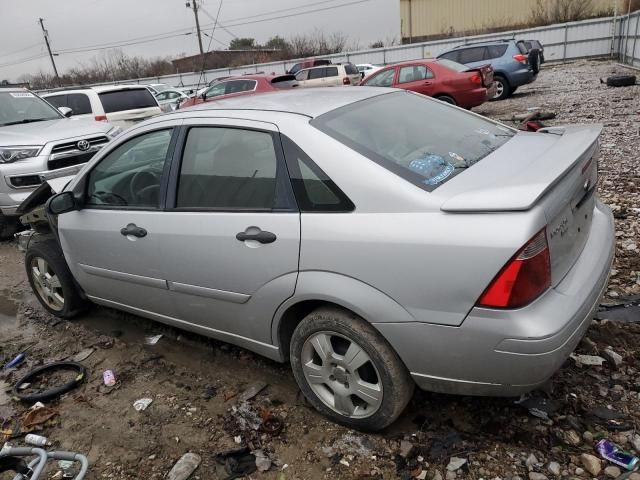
{"x":446,"y":99}
{"x":503,"y":89}
{"x":348,"y":371}
{"x":51,"y":280}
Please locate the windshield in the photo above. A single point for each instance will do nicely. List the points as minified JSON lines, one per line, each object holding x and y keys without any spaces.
{"x":24,"y":107}
{"x":420,"y":139}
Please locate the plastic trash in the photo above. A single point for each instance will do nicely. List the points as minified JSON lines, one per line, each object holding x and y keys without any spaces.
{"x":37,"y":440}
{"x":16,"y":361}
{"x":153,"y":339}
{"x":184,"y":467}
{"x":142,"y":404}
{"x":613,"y":453}
{"x":109,"y":378}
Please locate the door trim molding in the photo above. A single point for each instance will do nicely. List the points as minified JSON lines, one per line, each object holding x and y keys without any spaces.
{"x":208,"y":292}
{"x":124,"y":277}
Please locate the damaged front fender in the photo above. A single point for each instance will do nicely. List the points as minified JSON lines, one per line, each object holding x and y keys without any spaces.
{"x":32,"y":211}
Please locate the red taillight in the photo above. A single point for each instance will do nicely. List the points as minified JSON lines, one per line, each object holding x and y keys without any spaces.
{"x":346,"y":81}
{"x":476,"y":79}
{"x":523,"y":279}
{"x":521,"y":58}
{"x":101,"y":118}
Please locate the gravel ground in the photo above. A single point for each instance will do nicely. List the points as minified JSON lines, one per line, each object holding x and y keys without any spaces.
{"x":196,"y":384}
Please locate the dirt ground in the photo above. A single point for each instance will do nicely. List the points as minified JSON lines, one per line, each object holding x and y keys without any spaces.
{"x":195,"y":383}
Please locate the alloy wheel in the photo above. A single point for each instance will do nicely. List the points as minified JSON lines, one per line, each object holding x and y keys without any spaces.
{"x":499,"y":89}
{"x":47,"y":284}
{"x":341,"y":374}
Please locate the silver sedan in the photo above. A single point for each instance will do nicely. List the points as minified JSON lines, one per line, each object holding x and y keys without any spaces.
{"x":375,"y":239}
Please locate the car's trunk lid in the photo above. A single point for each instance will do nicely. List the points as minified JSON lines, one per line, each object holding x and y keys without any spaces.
{"x":555,"y":169}
{"x":486,"y":72}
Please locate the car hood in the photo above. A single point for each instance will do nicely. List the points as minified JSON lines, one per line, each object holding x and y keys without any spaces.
{"x":40,"y":133}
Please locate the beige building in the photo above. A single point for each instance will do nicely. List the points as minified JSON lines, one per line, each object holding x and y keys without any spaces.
{"x":424,"y":19}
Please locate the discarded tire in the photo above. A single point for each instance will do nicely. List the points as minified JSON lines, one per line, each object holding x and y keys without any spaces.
{"x":621,"y":81}
{"x":52,"y":392}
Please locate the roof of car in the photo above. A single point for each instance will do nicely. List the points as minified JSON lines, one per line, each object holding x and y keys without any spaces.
{"x":98,"y":89}
{"x":12,"y":89}
{"x":253,"y":76}
{"x":311,"y":102}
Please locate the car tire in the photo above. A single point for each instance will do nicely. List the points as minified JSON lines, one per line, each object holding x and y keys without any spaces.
{"x":503,"y":89}
{"x":534,"y":60}
{"x":446,"y":99}
{"x":621,"y":81}
{"x":51,"y":280}
{"x":335,"y":385}
{"x":9,"y":226}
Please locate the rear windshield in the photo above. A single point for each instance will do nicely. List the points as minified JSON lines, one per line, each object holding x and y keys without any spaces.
{"x":451,"y":65}
{"x":129,"y":99}
{"x":350,"y":69}
{"x":420,"y":139}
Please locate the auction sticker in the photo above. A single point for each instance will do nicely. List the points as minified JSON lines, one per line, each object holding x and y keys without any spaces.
{"x":21,"y":94}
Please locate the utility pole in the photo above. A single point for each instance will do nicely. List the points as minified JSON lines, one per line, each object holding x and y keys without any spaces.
{"x":46,"y":40}
{"x":194,"y":5}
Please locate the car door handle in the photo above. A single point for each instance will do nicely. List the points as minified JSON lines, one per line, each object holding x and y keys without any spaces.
{"x":427,"y":83}
{"x":261,"y":237}
{"x":133,"y":230}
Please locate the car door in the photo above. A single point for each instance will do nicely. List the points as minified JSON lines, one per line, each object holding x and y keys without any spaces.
{"x":331,"y":77}
{"x":233,"y":236}
{"x":417,"y":78}
{"x":111,"y":243}
{"x":316,"y":77}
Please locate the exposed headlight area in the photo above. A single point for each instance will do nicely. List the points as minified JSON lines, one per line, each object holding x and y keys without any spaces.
{"x":114,"y":132}
{"x":13,"y":154}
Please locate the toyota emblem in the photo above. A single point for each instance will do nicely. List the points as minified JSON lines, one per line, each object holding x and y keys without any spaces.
{"x":83,"y":145}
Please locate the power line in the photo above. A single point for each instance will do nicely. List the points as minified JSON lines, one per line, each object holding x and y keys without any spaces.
{"x":24,"y":60}
{"x":283,"y":10}
{"x":39,"y":44}
{"x":219,"y":24}
{"x":117,"y":45}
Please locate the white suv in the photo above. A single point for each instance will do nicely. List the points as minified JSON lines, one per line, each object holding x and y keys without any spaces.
{"x":38,"y":143}
{"x":121,"y":105}
{"x":334,"y":75}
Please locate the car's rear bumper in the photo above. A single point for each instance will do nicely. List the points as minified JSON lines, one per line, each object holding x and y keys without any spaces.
{"x":509,"y":352}
{"x":521,"y":77}
{"x":472,"y":98}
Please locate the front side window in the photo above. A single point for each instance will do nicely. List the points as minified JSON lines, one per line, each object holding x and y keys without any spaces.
{"x":381,"y":79}
{"x":397,"y":131}
{"x":414,"y":73}
{"x":303,"y":75}
{"x":216,"y":90}
{"x":350,"y":69}
{"x":228,"y":168}
{"x":130,"y":175}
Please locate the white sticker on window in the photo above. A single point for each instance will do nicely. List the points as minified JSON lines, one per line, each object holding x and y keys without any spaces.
{"x":21,"y":94}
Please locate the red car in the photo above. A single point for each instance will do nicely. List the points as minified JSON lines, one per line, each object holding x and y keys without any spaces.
{"x":443,"y":79}
{"x":242,"y":85}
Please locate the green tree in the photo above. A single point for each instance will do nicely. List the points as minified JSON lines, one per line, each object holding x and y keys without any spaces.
{"x":242,"y":44}
{"x":277,"y":43}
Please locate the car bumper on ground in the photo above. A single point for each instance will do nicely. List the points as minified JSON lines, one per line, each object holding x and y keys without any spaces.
{"x":509,"y":352}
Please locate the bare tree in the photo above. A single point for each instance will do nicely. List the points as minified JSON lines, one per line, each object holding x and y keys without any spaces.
{"x":545,"y":12}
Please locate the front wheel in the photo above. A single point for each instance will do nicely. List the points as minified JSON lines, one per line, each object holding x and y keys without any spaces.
{"x":348,"y":371}
{"x":503,"y":89}
{"x":51,"y":280}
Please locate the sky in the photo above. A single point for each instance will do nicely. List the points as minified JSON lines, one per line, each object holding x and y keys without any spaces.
{"x":86,"y":25}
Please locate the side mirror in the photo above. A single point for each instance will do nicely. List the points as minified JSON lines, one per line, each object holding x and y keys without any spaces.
{"x":66,"y":111}
{"x":61,"y":203}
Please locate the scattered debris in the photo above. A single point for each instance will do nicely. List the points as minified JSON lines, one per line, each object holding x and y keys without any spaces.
{"x":36,"y":417}
{"x":253,"y":390}
{"x":152,"y":340}
{"x":49,"y":392}
{"x":591,"y":464}
{"x":263,"y":462}
{"x":406,"y":449}
{"x":184,"y":467}
{"x":142,"y":404}
{"x":588,"y":360}
{"x":237,"y":463}
{"x":612,"y":357}
{"x":272,"y":425}
{"x":540,"y":407}
{"x":37,"y":440}
{"x":16,"y":361}
{"x":108,"y":378}
{"x":611,"y":452}
{"x":83,"y":355}
{"x":456,"y":463}
{"x":554,"y":468}
{"x":620,"y":81}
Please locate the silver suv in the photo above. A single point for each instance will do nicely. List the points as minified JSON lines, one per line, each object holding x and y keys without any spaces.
{"x":345,"y":231}
{"x":38,"y":143}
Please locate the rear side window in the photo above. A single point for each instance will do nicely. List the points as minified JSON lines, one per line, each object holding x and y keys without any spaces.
{"x":331,"y":72}
{"x":130,"y":99}
{"x":78,"y":102}
{"x":414,"y":73}
{"x":522,"y":47}
{"x":473,"y":54}
{"x":235,"y":86}
{"x":382,"y":79}
{"x":316,"y":73}
{"x":228,"y":168}
{"x":314,"y":190}
{"x":497,"y":51}
{"x":397,"y":131}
